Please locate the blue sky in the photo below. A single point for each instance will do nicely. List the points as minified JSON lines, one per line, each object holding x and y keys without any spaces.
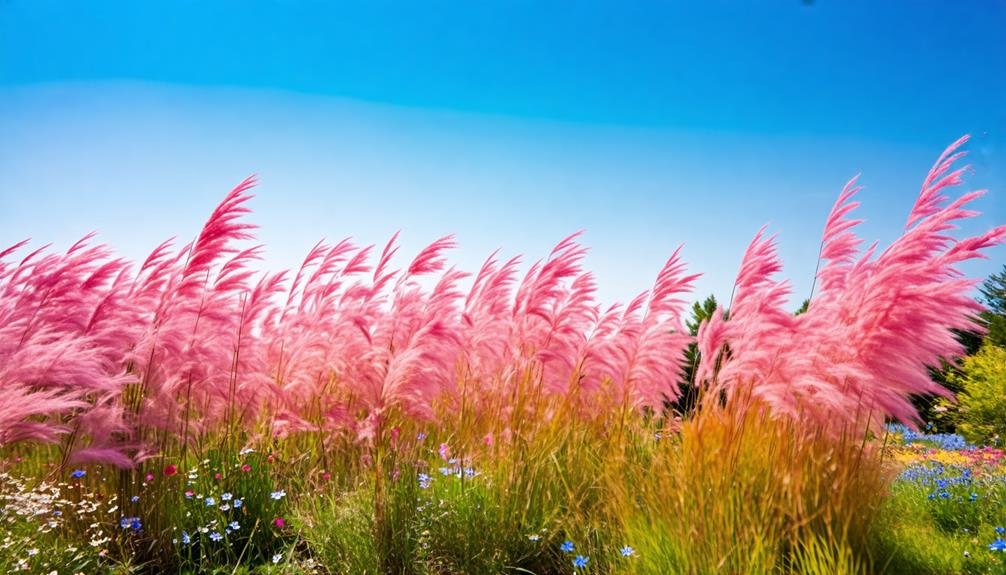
{"x":646,"y":124}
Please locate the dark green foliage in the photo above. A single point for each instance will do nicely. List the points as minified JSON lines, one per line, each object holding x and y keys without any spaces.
{"x":803,"y":307}
{"x":701,"y":311}
{"x":993,"y":295}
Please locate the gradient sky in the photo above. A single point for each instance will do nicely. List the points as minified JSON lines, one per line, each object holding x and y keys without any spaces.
{"x":646,"y":124}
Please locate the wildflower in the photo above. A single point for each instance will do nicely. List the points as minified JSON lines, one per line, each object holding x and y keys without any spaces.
{"x":1001,"y":530}
{"x":226,"y":497}
{"x":277,"y":495}
{"x":534,"y":537}
{"x":170,"y":470}
{"x":130,"y":523}
{"x":627,"y":551}
{"x":186,"y":539}
{"x":277,"y":558}
{"x":580,"y":561}
{"x":238,"y":503}
{"x":210,"y":502}
{"x":246,"y":468}
{"x":420,"y":436}
{"x":445,"y":451}
{"x":325,"y":476}
{"x":246,"y":451}
{"x":234,"y":525}
{"x":225,"y":507}
{"x":998,"y":545}
{"x":216,"y":536}
{"x":279,"y":522}
{"x":217,"y":476}
{"x":78,"y":473}
{"x":567,"y":546}
{"x":149,"y":477}
{"x":189,"y":493}
{"x":134,"y":498}
{"x":424,"y":481}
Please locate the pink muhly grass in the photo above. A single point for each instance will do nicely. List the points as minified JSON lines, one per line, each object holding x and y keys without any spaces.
{"x":487,"y":317}
{"x":414,"y":344}
{"x":118,"y":364}
{"x":643,"y":355}
{"x":195,"y":357}
{"x":633,"y":356}
{"x":552,"y":313}
{"x":860,"y":351}
{"x":62,"y":341}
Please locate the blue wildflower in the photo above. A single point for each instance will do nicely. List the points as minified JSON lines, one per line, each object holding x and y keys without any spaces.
{"x":238,"y":503}
{"x":234,"y":525}
{"x":567,"y":546}
{"x":998,"y":545}
{"x":1001,"y":530}
{"x":424,"y":481}
{"x":78,"y":473}
{"x":186,"y":539}
{"x":134,"y":498}
{"x":215,"y":536}
{"x":580,"y":561}
{"x":210,"y":502}
{"x":130,"y":523}
{"x":627,"y":551}
{"x":277,"y":495}
{"x":226,"y":497}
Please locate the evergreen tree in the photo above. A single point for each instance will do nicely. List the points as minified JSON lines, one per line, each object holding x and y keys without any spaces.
{"x":701,"y":311}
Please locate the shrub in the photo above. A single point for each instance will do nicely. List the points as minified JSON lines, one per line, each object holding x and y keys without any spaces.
{"x":982,"y":412}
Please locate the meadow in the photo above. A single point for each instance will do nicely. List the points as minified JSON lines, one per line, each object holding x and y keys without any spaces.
{"x":191,"y":414}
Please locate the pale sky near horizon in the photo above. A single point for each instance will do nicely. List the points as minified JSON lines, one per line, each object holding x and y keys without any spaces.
{"x":647,"y":126}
